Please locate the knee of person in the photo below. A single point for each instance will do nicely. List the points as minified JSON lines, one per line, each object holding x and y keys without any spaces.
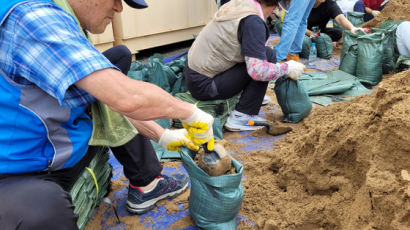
{"x":124,"y":51}
{"x":51,"y":206}
{"x":358,"y":6}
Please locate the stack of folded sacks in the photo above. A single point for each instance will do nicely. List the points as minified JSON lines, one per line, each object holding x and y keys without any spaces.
{"x":91,"y":187}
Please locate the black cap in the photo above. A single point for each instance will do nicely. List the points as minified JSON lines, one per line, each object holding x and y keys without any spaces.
{"x":138,"y":4}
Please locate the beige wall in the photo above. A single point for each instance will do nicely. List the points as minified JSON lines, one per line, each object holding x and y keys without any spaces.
{"x":163,"y":22}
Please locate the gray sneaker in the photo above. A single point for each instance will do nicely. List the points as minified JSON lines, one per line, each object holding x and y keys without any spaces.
{"x":168,"y":186}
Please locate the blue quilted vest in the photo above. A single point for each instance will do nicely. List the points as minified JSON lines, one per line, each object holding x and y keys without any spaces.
{"x":36,"y":133}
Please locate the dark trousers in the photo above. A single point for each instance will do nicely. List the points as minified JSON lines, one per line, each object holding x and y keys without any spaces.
{"x":41,"y":200}
{"x":228,"y":84}
{"x":359,"y":7}
{"x":334,"y":34}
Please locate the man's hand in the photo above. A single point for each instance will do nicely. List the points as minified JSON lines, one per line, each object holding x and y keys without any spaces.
{"x":172,"y":140}
{"x":295,"y":70}
{"x":355,"y":29}
{"x":199,"y":127}
{"x":375,"y":13}
{"x":314,"y":34}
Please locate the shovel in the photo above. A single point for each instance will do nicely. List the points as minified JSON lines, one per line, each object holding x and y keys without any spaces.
{"x":216,"y":162}
{"x":273,"y":130}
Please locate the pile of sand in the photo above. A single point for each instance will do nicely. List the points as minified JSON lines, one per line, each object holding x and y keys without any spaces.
{"x":394,"y":10}
{"x":345,"y":167}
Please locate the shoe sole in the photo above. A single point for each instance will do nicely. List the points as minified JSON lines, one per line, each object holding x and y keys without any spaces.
{"x":148,"y":205}
{"x":237,"y":128}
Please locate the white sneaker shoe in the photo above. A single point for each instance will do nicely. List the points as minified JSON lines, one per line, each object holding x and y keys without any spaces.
{"x":266,"y":100}
{"x":238,"y":121}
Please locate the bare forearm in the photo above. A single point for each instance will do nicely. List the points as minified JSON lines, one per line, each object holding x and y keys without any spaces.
{"x":135,"y":99}
{"x":368,"y":10}
{"x":342,"y":21}
{"x":309,"y":32}
{"x":149,"y":129}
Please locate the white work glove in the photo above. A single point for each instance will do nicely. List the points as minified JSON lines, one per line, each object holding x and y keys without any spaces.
{"x":355,"y":29}
{"x":199,"y":127}
{"x":375,"y":13}
{"x":295,"y":69}
{"x":172,"y":140}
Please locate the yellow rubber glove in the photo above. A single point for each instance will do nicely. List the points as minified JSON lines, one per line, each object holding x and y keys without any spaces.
{"x":375,"y":13}
{"x":172,"y":140}
{"x":199,"y":127}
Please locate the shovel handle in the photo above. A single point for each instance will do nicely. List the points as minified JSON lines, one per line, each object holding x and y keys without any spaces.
{"x":258,"y":123}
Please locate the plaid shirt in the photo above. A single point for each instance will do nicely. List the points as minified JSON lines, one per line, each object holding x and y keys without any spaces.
{"x":42,"y":44}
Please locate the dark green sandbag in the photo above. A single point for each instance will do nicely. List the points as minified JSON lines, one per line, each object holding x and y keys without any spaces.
{"x":403,"y":63}
{"x":293,"y":99}
{"x":169,"y":76}
{"x":324,"y":46}
{"x":138,"y":71}
{"x":388,"y":43}
{"x":348,"y":57}
{"x":307,"y":44}
{"x":395,"y":24}
{"x":214,"y":202}
{"x":334,"y":82}
{"x":389,"y":23}
{"x":370,"y":58}
{"x":356,"y":18}
{"x":349,"y":62}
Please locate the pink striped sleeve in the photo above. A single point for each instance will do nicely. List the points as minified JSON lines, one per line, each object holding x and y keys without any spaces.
{"x":262,"y":70}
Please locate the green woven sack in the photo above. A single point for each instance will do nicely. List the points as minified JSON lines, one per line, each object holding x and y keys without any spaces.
{"x":293,"y":99}
{"x":307,"y":44}
{"x":348,"y":58}
{"x":324,"y":46}
{"x":138,"y":71}
{"x":356,"y":18}
{"x":333,"y":82}
{"x":214,"y":202}
{"x":370,"y":58}
{"x":217,"y":108}
{"x":169,"y":76}
{"x":348,"y":63}
{"x":389,"y":42}
{"x":389,"y":24}
{"x":403,"y":63}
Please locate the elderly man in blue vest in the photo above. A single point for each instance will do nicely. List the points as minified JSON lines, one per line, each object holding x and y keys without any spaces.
{"x":49,"y":74}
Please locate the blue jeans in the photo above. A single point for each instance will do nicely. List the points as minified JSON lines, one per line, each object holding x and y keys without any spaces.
{"x":294,"y":28}
{"x":403,"y":38}
{"x":359,"y":7}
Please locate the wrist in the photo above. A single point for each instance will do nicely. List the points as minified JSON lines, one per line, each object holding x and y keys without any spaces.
{"x":162,"y":138}
{"x":191,"y":110}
